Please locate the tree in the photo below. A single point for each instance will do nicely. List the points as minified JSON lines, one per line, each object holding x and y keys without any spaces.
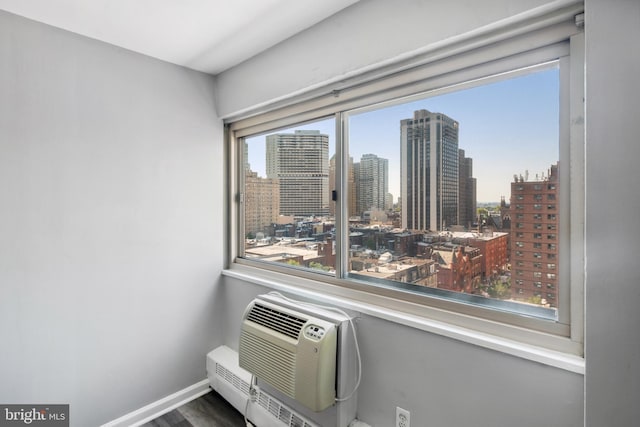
{"x":370,"y":243}
{"x":319,"y":266}
{"x":498,"y":289}
{"x":535,"y":300}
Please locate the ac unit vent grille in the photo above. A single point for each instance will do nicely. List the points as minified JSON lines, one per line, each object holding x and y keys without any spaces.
{"x":276,"y":320}
{"x":270,"y":362}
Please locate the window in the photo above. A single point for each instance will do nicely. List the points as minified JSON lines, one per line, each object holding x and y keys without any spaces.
{"x":410,"y":201}
{"x":287,"y":211}
{"x":397,"y":193}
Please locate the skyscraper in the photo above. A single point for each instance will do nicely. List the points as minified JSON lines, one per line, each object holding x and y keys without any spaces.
{"x":429,"y":181}
{"x":372,"y":183}
{"x":300,"y":161}
{"x":467,"y":191}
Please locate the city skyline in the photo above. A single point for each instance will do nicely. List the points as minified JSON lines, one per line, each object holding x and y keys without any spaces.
{"x":507,"y":127}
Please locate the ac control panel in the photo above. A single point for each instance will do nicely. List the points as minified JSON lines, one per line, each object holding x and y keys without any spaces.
{"x":314,"y":332}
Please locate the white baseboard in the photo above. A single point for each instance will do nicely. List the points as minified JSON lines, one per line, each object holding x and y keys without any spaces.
{"x":161,"y":407}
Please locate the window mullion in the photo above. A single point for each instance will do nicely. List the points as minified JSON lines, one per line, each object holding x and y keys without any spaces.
{"x":342,"y":204}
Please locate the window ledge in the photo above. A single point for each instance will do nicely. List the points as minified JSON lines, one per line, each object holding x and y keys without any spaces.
{"x":557,"y":359}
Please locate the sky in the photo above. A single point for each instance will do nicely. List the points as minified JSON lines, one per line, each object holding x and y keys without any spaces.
{"x":507,"y":128}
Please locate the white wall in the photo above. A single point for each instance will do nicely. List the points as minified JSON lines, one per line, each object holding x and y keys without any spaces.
{"x":110,"y":223}
{"x":368,"y":33}
{"x":613,"y":213}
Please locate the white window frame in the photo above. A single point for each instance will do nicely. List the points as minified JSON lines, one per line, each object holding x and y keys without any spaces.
{"x":462,"y":64}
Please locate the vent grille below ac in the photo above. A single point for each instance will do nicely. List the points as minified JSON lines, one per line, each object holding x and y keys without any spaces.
{"x":274,"y":407}
{"x":276,"y":320}
{"x":232,"y":379}
{"x":281,"y":412}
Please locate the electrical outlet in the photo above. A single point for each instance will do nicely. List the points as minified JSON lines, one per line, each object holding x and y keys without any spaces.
{"x":403,"y":417}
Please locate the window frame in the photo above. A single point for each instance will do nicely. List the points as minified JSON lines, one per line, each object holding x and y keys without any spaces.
{"x":451,"y":73}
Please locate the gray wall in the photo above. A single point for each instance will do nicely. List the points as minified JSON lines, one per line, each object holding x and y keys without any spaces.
{"x":366,"y":34}
{"x":111,"y":219}
{"x":441,"y":381}
{"x":110,"y":223}
{"x":613,"y":205}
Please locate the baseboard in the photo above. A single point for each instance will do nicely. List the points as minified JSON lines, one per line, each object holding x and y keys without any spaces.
{"x":161,"y":407}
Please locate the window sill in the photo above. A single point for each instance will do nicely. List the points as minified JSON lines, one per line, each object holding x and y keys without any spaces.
{"x":358,"y":301}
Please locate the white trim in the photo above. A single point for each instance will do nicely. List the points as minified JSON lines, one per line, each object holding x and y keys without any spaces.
{"x":162,"y":406}
{"x":557,"y":359}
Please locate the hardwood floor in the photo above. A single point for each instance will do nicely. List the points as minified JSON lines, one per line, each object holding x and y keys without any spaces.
{"x":210,"y":410}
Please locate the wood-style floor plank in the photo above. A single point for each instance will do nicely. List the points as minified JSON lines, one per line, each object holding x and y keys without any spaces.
{"x":209,"y":410}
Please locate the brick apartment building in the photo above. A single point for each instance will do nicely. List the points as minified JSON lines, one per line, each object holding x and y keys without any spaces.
{"x":534,"y":238}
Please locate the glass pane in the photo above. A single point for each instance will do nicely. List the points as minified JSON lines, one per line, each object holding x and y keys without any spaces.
{"x":287,"y":182}
{"x":437,"y":185}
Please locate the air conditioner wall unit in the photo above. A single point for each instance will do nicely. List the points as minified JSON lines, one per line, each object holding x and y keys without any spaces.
{"x":292,"y":350}
{"x":273,"y":408}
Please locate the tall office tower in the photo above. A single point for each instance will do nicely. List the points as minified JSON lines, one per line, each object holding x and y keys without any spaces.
{"x":300,"y":162}
{"x":245,"y":154}
{"x":261,"y":203}
{"x":372,"y":183}
{"x":351,"y":186}
{"x":467,"y":191}
{"x":534,"y":237}
{"x":429,"y":171}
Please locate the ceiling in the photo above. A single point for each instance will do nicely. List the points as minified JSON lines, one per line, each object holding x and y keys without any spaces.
{"x":206,"y":35}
